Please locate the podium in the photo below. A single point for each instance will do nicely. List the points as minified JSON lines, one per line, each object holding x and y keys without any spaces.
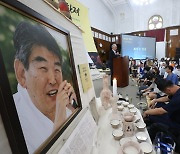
{"x":121,"y":71}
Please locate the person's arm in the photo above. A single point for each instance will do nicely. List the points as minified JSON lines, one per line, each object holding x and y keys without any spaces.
{"x":114,"y":55}
{"x":156,"y":111}
{"x":145,"y":90}
{"x":175,"y":79}
{"x":162,"y":99}
{"x":149,"y":88}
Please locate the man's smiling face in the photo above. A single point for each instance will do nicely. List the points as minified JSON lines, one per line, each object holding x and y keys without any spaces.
{"x":42,"y":79}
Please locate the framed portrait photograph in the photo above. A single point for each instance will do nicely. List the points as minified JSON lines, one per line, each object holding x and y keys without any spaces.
{"x":39,"y":94}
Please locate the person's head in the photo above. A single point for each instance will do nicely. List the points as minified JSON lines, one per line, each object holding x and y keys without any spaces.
{"x":147,"y":69}
{"x":162,"y":60}
{"x":141,"y":64}
{"x":150,"y":76}
{"x":169,"y":69}
{"x":155,"y":70}
{"x":114,"y":47}
{"x":164,"y":64}
{"x":166,"y":86}
{"x":133,"y":62}
{"x":37,"y":64}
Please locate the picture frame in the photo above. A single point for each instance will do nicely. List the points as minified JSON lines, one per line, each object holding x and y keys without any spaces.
{"x":96,"y":59}
{"x":13,"y":14}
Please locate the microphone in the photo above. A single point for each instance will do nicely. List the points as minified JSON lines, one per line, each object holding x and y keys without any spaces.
{"x":73,"y":102}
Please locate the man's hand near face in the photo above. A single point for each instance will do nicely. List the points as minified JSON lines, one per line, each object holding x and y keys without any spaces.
{"x":72,"y":96}
{"x":64,"y":98}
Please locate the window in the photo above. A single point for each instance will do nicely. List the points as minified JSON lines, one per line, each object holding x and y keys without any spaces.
{"x":155,"y":22}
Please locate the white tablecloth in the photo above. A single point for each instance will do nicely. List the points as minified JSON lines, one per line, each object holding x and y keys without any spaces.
{"x":105,"y":142}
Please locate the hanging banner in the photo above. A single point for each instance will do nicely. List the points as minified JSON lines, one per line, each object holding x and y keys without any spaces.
{"x":80,"y":17}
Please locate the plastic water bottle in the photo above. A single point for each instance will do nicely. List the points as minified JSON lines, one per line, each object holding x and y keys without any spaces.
{"x":127,"y":98}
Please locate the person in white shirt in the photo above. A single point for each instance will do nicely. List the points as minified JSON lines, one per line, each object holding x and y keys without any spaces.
{"x":177,"y":71}
{"x":140,"y":70}
{"x":162,"y":68}
{"x":43,"y":100}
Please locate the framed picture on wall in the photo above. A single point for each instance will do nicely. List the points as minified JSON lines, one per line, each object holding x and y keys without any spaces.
{"x":39,"y":94}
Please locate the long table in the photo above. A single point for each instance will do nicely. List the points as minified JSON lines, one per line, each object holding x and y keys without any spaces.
{"x":104,"y":142}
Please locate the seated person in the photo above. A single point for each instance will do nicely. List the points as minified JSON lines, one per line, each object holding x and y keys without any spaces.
{"x":147,"y":84}
{"x":140,"y":70}
{"x":149,"y":88}
{"x":143,"y":79}
{"x":171,"y":76}
{"x":162,"y":69}
{"x":156,"y":93}
{"x":134,"y":68}
{"x":166,"y":113}
{"x":166,"y":116}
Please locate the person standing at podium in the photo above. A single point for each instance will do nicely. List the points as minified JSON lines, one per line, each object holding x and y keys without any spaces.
{"x":112,"y":54}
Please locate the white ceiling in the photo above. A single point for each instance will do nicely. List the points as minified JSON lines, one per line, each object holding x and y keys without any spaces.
{"x":118,"y":2}
{"x":114,"y":5}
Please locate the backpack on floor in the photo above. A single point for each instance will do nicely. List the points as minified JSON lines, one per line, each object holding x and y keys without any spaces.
{"x":164,"y":143}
